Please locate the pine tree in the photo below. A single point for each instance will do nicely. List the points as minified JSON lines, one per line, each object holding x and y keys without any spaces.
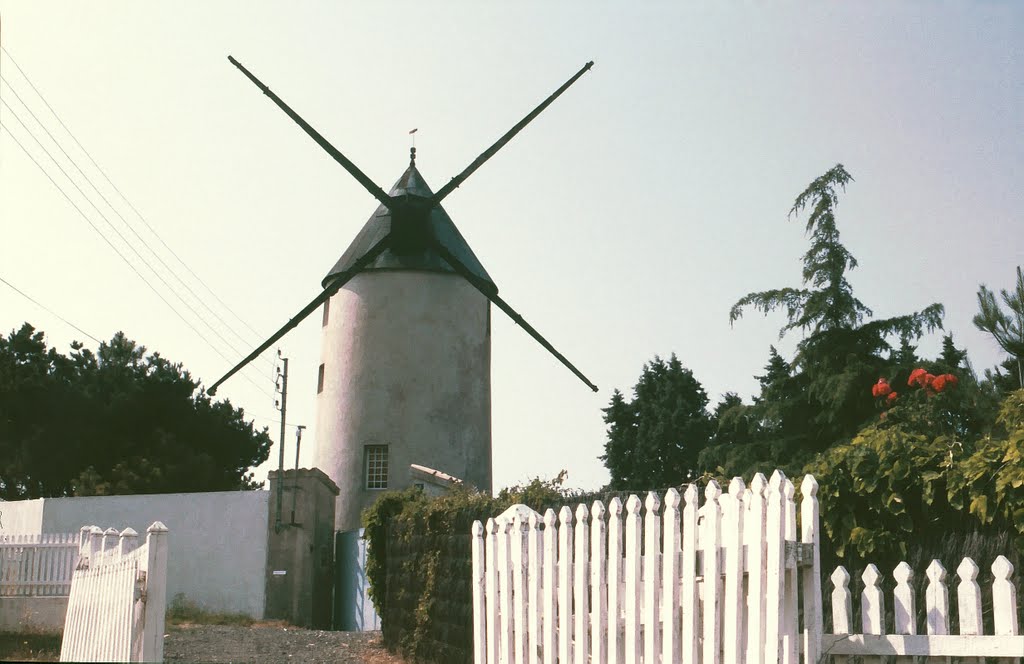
{"x":841,"y":353}
{"x":1007,"y":328}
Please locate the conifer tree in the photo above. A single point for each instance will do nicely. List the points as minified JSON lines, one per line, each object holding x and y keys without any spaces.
{"x":841,"y":353}
{"x":1006,"y":327}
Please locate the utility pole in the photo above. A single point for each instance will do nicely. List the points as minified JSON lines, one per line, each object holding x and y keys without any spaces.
{"x":283,"y":377}
{"x":295,"y":488}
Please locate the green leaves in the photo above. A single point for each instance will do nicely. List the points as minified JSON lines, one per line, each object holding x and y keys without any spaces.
{"x":892,"y":481}
{"x":115,"y":422}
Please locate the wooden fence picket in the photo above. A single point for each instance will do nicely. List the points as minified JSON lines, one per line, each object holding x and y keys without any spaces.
{"x":565,"y":586}
{"x":711,"y":531}
{"x":581,"y":607}
{"x":616,"y":644}
{"x":733,"y":600}
{"x":599,"y":562}
{"x":650,"y":613}
{"x":670,"y":646}
{"x":689,"y":599}
{"x":633,"y":590}
{"x":549,"y":587}
{"x":534,"y":607}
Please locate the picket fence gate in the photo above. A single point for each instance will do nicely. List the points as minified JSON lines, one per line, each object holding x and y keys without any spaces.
{"x":118,"y":597}
{"x":726,"y":582}
{"x":37,"y":565}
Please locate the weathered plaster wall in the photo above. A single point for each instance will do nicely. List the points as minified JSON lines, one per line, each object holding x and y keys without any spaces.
{"x":407,"y":364}
{"x":217,"y":542}
{"x":33,"y":614}
{"x":21,"y":517}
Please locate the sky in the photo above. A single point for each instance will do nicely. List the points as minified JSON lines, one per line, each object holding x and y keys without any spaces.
{"x":623,"y":223}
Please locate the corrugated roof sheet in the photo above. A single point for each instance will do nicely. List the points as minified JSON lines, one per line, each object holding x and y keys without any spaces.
{"x":441,"y":226}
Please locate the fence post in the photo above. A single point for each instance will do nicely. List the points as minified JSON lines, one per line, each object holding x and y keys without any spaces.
{"x":156,"y":593}
{"x":95,"y":545}
{"x":127,"y":542}
{"x":810,"y":535}
{"x":110,"y":536}
{"x":599,"y":561}
{"x":1004,"y":598}
{"x":479,"y":625}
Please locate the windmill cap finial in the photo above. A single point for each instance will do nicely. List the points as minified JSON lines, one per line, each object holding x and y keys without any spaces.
{"x":412,"y":156}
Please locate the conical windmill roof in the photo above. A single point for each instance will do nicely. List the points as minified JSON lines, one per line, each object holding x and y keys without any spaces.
{"x":440,"y":225}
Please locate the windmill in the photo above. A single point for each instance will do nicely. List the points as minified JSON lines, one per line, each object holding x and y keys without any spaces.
{"x":405,"y":372}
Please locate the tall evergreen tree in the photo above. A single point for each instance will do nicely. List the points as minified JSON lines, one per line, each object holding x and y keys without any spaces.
{"x":841,"y":353}
{"x":653,"y":441}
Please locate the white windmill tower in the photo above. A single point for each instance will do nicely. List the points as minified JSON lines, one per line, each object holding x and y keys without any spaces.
{"x":406,"y":343}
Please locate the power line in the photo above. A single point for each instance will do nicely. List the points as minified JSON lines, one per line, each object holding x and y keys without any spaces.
{"x":127,"y":223}
{"x":111,"y":225}
{"x":123,"y":197}
{"x":46,"y":308}
{"x":119,"y":234}
{"x":111,"y":244}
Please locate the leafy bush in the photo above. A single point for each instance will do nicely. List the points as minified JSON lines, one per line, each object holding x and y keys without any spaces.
{"x":899,"y":477}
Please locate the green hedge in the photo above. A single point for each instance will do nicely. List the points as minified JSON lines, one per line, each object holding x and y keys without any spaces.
{"x":420,"y":564}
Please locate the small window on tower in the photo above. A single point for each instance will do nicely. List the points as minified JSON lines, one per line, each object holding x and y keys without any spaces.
{"x":327,"y":312}
{"x":320,"y":380}
{"x":376,"y":466}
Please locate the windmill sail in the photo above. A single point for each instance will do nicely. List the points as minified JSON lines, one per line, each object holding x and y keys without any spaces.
{"x":410,"y":230}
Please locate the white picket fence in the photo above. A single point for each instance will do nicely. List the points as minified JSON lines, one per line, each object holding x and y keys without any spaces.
{"x":971,"y":641}
{"x":626,"y":584}
{"x":118,"y":597}
{"x":726,"y":582}
{"x":37,"y":565}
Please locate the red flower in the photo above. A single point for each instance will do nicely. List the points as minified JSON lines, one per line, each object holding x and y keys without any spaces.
{"x":942,"y":382}
{"x":881,"y":388}
{"x":917,"y":377}
{"x":892,"y":397}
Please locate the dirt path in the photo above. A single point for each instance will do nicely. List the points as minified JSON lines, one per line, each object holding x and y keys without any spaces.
{"x":270,"y":643}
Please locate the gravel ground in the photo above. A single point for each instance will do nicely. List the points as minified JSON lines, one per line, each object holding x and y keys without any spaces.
{"x":270,"y":643}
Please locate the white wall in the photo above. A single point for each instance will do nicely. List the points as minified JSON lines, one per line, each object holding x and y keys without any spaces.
{"x":217,"y":541}
{"x":21,"y":516}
